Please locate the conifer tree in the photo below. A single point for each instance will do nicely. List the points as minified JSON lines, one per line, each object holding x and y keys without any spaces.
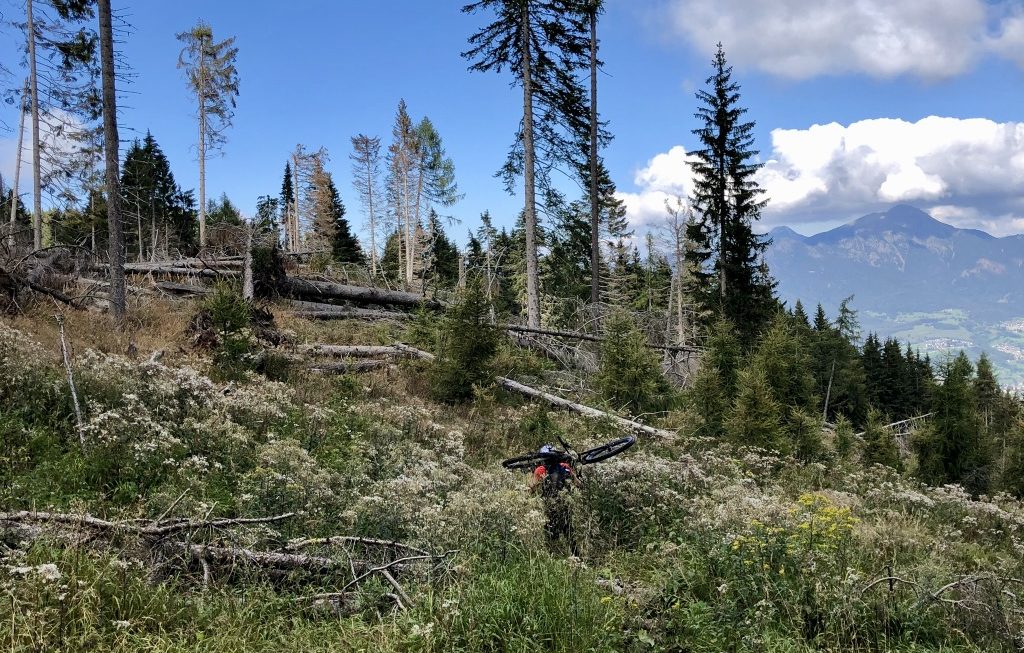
{"x":800,"y":315}
{"x":287,"y":204}
{"x":543,"y":43}
{"x":953,"y":448}
{"x":160,"y":208}
{"x":404,"y":180}
{"x":212,"y":77}
{"x":441,"y":256}
{"x":630,"y":377}
{"x":110,"y":152}
{"x":715,"y":384}
{"x":880,"y":446}
{"x":728,"y":254}
{"x":756,"y":417}
{"x":467,"y":345}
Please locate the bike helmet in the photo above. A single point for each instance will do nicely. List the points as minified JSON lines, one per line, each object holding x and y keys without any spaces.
{"x":547,"y":448}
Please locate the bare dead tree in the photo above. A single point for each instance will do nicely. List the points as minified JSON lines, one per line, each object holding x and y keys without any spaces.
{"x":111,"y":144}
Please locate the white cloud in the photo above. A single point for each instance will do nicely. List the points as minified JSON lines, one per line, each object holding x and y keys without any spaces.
{"x":969,"y":171}
{"x":882,"y":38}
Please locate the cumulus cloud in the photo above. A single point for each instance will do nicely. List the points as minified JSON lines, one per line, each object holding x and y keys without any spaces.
{"x":805,"y":38}
{"x":970,"y":172}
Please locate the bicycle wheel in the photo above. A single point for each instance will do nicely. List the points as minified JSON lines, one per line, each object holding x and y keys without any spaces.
{"x":607,"y":450}
{"x":529,"y":461}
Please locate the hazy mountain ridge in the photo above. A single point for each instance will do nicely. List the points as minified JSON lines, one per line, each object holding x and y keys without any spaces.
{"x":915,"y":278}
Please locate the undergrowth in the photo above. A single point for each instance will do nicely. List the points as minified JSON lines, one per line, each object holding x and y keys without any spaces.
{"x":693,"y":545}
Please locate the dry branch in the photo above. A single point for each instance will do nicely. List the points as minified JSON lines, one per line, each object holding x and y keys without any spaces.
{"x":352,"y":539}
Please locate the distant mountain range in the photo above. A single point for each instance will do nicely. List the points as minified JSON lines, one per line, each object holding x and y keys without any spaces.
{"x":915,"y":278}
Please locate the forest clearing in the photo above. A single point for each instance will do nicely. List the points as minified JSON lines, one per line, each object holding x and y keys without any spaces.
{"x":577,"y":428}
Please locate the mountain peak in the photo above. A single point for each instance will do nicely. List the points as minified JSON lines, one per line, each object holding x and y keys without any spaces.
{"x":906,"y":219}
{"x":784,"y":232}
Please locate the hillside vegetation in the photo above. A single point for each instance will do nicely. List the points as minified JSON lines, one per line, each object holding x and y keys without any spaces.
{"x":696,"y":543}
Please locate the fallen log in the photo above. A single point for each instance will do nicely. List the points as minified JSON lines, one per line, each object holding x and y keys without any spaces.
{"x":347,"y":540}
{"x":232,"y":263}
{"x":413,"y":352}
{"x":516,"y":328}
{"x":580,"y":409}
{"x":345,"y":368}
{"x":148,"y":268}
{"x":555,"y":400}
{"x":182,"y":288}
{"x":350,"y":314}
{"x":354,"y":351}
{"x":271,"y":560}
{"x":306,"y":289}
{"x":159,"y":529}
{"x":322,"y":311}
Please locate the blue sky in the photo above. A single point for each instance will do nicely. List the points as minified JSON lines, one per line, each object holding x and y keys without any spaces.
{"x":319,"y":72}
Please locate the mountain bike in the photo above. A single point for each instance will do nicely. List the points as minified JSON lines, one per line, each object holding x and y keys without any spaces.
{"x":556,"y":468}
{"x":553,"y":459}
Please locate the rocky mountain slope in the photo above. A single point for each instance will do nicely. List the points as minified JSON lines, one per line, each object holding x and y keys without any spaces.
{"x":915,"y":278}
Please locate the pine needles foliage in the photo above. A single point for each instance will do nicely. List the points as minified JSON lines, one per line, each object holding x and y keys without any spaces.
{"x":630,"y":377}
{"x":467,"y":343}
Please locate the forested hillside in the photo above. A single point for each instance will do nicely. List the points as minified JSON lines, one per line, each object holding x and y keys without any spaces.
{"x":228,"y":432}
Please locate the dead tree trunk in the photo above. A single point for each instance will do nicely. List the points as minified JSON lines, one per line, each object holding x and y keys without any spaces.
{"x":305,"y":289}
{"x":110,"y":150}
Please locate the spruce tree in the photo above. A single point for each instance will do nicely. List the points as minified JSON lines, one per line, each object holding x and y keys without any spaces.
{"x":880,"y":447}
{"x":733,"y":279}
{"x":344,"y":246}
{"x":543,"y":43}
{"x":155,"y":207}
{"x":713,"y":388}
{"x":630,"y":377}
{"x":756,"y":417}
{"x":287,"y":198}
{"x":467,"y":345}
{"x":441,"y":255}
{"x":954,"y":448}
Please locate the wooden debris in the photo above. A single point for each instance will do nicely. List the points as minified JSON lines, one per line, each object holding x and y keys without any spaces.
{"x":306,"y":289}
{"x":346,"y":368}
{"x":516,"y":328}
{"x":581,"y":409}
{"x":554,"y":400}
{"x":182,"y":288}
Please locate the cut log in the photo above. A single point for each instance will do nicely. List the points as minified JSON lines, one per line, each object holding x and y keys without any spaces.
{"x":345,"y":368}
{"x":307,"y":289}
{"x":586,"y":411}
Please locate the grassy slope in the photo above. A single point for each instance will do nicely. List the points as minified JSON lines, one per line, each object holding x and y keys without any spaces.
{"x":685,"y":546}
